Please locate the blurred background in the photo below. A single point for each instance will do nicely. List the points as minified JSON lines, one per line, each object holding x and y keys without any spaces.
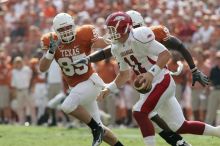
{"x":24,"y":96}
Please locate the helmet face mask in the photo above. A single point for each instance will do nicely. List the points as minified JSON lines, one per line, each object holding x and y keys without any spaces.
{"x":112,"y":33}
{"x":64,"y":26}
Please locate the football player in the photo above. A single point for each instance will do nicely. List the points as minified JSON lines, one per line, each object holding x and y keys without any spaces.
{"x":163,"y":36}
{"x":138,"y":49}
{"x":65,"y":45}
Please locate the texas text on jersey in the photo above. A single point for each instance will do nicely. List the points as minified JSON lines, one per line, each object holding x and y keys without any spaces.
{"x":67,"y":53}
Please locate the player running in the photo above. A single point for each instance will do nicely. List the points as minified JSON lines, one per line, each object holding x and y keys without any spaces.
{"x":138,"y":49}
{"x":66,"y":45}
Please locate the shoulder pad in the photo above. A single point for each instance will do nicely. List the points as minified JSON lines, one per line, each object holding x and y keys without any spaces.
{"x":143,"y":34}
{"x":161,"y":33}
{"x":87,"y":32}
{"x":45,"y":40}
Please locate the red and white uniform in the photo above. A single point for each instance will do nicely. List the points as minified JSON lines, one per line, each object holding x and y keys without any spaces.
{"x":140,"y":52}
{"x":85,"y":84}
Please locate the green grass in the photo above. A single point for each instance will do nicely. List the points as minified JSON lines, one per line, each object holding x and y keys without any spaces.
{"x":42,"y":136}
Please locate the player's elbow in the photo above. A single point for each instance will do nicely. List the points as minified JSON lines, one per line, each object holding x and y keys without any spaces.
{"x":168,"y":54}
{"x":163,"y":58}
{"x":42,"y":68}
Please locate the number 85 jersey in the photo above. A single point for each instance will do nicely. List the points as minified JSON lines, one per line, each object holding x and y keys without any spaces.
{"x":67,"y":53}
{"x":139,"y":52}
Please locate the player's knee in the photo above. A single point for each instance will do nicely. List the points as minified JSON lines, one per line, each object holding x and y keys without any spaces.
{"x":137,"y":115}
{"x":67,"y":108}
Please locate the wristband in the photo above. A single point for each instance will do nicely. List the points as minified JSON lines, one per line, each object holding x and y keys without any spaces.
{"x":112,"y":86}
{"x":154,"y":70}
{"x":49,"y":55}
{"x":192,"y":66}
{"x":194,"y":69}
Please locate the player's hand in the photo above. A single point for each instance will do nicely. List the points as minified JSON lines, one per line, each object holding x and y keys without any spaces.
{"x":53,"y":44}
{"x":199,"y":77}
{"x":84,"y":60}
{"x":105,"y":92}
{"x":146,"y":80}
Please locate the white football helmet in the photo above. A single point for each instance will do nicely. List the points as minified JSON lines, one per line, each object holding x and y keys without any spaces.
{"x":64,"y":26}
{"x":137,"y":19}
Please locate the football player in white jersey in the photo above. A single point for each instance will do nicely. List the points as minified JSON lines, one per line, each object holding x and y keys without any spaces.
{"x":138,"y":49}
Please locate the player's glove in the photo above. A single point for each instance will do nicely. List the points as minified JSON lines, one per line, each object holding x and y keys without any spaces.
{"x":53,"y":44}
{"x":199,"y":77}
{"x":84,"y":60}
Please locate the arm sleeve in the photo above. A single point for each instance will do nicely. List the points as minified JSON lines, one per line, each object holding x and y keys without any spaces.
{"x":174,"y":43}
{"x":101,"y":54}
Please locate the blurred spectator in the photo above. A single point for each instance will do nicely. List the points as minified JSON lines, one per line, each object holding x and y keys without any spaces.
{"x":214,"y":98}
{"x":205,"y":31}
{"x":21,"y":80}
{"x":5,"y":77}
{"x":38,"y":85}
{"x":54,"y":81}
{"x":199,"y":96}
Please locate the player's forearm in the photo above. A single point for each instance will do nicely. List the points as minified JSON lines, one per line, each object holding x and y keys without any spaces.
{"x":100,"y":55}
{"x":174,"y":43}
{"x":44,"y":64}
{"x":122,"y":78}
{"x":163,"y":58}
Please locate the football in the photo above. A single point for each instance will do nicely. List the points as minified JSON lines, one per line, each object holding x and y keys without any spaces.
{"x":138,"y":85}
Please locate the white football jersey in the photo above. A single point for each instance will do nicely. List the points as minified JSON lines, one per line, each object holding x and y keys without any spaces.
{"x":139,"y":52}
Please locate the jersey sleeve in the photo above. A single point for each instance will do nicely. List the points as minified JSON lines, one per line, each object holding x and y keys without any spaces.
{"x":45,"y":40}
{"x":155,"y":48}
{"x":122,"y":64}
{"x":161,"y":33}
{"x":146,"y":37}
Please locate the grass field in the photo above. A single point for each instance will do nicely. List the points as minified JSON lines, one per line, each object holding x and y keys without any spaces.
{"x":42,"y":136}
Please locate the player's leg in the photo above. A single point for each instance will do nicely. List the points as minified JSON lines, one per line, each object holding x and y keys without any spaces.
{"x":90,"y":104}
{"x":146,"y":127}
{"x":149,"y":103}
{"x":180,"y":125}
{"x":164,"y":121}
{"x":167,"y":134}
{"x":71,"y":106}
{"x":108,"y":137}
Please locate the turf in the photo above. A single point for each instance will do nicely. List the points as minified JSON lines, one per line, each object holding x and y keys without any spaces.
{"x":43,"y":136}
